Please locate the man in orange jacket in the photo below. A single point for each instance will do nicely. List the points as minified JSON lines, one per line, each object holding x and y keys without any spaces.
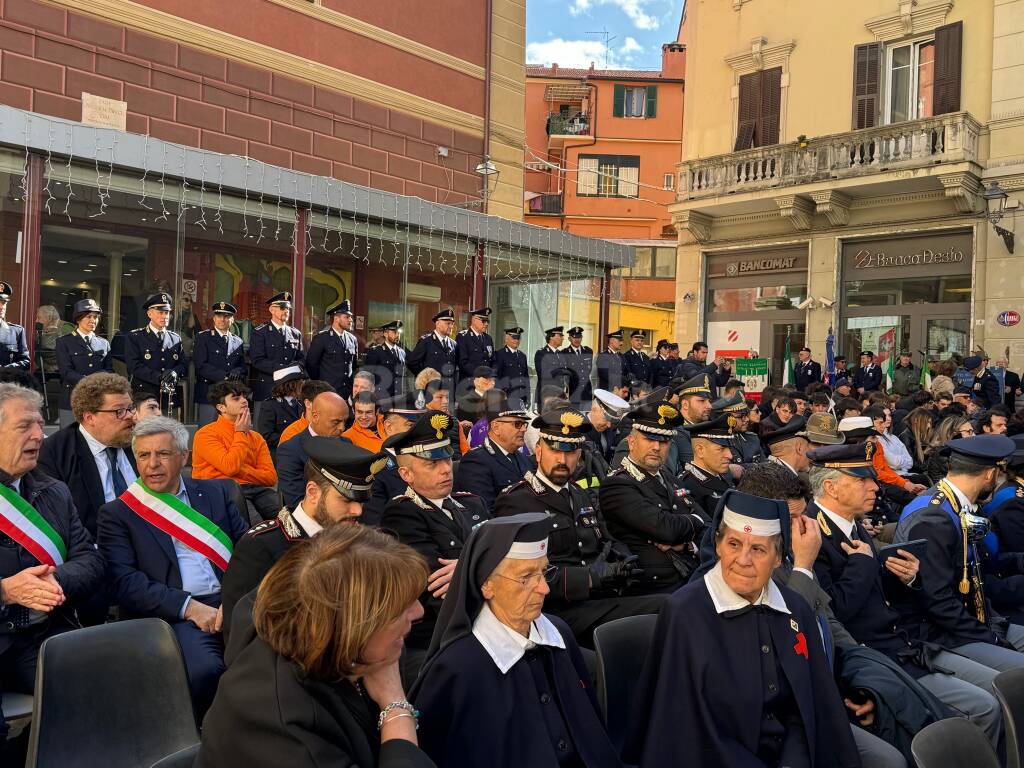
{"x":368,"y":430}
{"x":231,"y":449}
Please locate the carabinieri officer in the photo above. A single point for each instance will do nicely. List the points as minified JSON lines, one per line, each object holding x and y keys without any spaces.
{"x":436,"y":349}
{"x":154,"y":357}
{"x":512,"y":367}
{"x":274,"y":345}
{"x":332,"y":353}
{"x":13,"y":346}
{"x":218,"y":355}
{"x":474,"y":346}
{"x":80,"y":353}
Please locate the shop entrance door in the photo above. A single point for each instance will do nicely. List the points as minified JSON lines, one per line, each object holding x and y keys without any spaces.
{"x":942,"y":335}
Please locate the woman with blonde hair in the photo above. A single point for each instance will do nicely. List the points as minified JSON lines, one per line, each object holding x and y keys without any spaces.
{"x":313,"y":679}
{"x":936,"y":465}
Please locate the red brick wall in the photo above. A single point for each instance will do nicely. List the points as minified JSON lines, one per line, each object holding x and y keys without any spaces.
{"x":181,"y":94}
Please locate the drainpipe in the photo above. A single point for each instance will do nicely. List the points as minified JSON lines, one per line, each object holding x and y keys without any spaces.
{"x":479,"y":289}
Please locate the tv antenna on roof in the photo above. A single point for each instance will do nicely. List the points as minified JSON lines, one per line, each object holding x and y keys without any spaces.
{"x":608,"y":37}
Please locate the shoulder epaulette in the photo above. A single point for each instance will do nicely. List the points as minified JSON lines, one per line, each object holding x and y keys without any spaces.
{"x":487,"y":446}
{"x":463,"y":332}
{"x":263,"y":527}
{"x":260,"y":327}
{"x":323,"y":330}
{"x":426,"y":336}
{"x":512,"y":487}
{"x":696,"y":472}
{"x":207,"y":332}
{"x":137,"y":330}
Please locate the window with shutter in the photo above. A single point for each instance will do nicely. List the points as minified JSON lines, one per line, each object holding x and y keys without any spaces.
{"x":618,"y":101}
{"x":652,"y":101}
{"x":608,"y":176}
{"x":586,"y":178}
{"x":629,"y":179}
{"x":771,"y":108}
{"x":867,"y":66}
{"x":948,"y":55}
{"x":749,"y":110}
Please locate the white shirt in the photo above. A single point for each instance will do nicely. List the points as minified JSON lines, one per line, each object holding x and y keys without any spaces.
{"x":276,"y":326}
{"x":777,"y":460}
{"x":965,"y":503}
{"x":99,"y":455}
{"x":844,"y":525}
{"x":445,"y":341}
{"x":307,"y":523}
{"x":505,"y":646}
{"x":157,"y":331}
{"x":725,"y":599}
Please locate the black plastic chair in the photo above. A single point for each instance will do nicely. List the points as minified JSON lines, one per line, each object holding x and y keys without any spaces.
{"x":111,"y":696}
{"x":184,"y":758}
{"x":1009,"y":689}
{"x":621,"y":647}
{"x":953,"y":743}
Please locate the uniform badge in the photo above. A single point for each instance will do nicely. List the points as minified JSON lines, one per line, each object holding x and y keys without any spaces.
{"x":793,"y":625}
{"x":148,"y":356}
{"x":175,"y":355}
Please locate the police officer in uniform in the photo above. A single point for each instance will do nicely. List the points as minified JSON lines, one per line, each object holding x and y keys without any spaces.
{"x":273,"y":346}
{"x":580,"y":361}
{"x":807,"y":371}
{"x":512,"y":368}
{"x":400,"y":414}
{"x":592,"y":569}
{"x":387,"y":361}
{"x":646,"y":507}
{"x":80,"y":353}
{"x":706,"y":476}
{"x":13,"y":345}
{"x":332,"y":352}
{"x":436,"y":349}
{"x":341,"y":477}
{"x":695,"y":406}
{"x":746,"y":449}
{"x":218,"y":355}
{"x":474,"y":346}
{"x":154,"y":357}
{"x":428,"y":516}
{"x":985,"y":389}
{"x":611,"y":367}
{"x":550,"y":363}
{"x":636,"y":363}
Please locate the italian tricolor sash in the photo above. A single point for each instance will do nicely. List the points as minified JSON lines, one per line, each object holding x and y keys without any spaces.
{"x":27,"y":527}
{"x":179,"y":521}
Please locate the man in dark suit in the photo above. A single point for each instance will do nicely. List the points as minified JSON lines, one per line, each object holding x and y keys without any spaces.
{"x":80,"y":353}
{"x":696,"y":363}
{"x":807,"y":371}
{"x":167,"y":542}
{"x":611,"y":367}
{"x":326,"y":415}
{"x":512,"y":368}
{"x":1011,"y":386}
{"x":387,"y":361}
{"x":580,"y":361}
{"x":332,"y":352}
{"x":273,"y":346}
{"x":868,"y":377}
{"x":154,"y":356}
{"x":492,"y":467}
{"x":550,"y":364}
{"x":13,"y":346}
{"x":49,"y":564}
{"x":218,"y":356}
{"x":436,"y":349}
{"x":636,"y":363}
{"x":474,"y":347}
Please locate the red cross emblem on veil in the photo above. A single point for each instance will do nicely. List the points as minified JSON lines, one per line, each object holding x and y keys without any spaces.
{"x":747,"y":529}
{"x":801,"y":645}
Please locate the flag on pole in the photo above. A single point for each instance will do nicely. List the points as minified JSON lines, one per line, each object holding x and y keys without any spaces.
{"x":926,"y":374}
{"x":890,"y":368}
{"x":788,"y":371}
{"x":830,"y":357}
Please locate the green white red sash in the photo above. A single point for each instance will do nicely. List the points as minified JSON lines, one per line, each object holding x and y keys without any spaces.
{"x":179,"y":521}
{"x":29,"y":528}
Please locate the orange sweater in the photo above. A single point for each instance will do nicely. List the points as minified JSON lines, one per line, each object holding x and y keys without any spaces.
{"x":219,"y":452}
{"x":366,"y":438}
{"x":297,"y":427}
{"x":883,"y":470}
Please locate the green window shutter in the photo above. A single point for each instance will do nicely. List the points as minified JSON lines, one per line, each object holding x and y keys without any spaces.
{"x":652,"y":101}
{"x":619,"y":101}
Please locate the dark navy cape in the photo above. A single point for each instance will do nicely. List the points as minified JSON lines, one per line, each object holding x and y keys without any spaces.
{"x":473,"y":716}
{"x":699,"y":701}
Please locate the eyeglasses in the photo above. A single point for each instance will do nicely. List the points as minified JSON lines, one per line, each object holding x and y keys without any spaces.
{"x":517,"y":423}
{"x":533,"y":579}
{"x":966,"y":431}
{"x":119,"y":413}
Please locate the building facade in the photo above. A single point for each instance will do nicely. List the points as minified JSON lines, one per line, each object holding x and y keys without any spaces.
{"x":330,"y":148}
{"x":836,"y":179}
{"x":601,"y":151}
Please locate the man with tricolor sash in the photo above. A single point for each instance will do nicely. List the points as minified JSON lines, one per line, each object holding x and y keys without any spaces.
{"x":48,"y":562}
{"x":168,"y":541}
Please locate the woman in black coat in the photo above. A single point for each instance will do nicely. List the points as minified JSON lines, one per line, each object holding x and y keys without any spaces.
{"x":313,"y":680}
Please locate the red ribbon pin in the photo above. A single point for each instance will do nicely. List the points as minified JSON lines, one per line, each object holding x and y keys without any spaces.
{"x":801,"y":645}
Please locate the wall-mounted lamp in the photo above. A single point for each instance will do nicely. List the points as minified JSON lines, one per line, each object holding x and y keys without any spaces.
{"x":995,"y":203}
{"x":487,"y":169}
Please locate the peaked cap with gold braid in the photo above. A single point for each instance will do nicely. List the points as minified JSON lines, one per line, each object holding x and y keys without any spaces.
{"x":349,"y":468}
{"x":657,"y":420}
{"x":428,"y":438}
{"x":562,"y":429}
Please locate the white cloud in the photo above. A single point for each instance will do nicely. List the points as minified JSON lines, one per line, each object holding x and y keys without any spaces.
{"x":636,"y":10}
{"x":581,"y":53}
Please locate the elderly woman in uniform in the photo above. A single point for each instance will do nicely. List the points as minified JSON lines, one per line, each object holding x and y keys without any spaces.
{"x":736,"y":674}
{"x":503,"y":684}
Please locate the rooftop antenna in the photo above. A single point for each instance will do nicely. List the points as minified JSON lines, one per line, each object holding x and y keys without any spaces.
{"x":608,"y":37}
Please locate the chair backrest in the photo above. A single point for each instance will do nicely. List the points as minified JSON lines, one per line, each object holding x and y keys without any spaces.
{"x":111,"y":696}
{"x":953,"y":743}
{"x":621,"y":647}
{"x":1009,"y":689}
{"x":184,"y":758}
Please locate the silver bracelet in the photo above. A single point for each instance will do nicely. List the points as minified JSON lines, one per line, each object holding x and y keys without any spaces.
{"x":401,"y":704}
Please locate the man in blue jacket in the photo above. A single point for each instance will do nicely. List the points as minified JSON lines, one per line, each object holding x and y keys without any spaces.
{"x":167,"y":542}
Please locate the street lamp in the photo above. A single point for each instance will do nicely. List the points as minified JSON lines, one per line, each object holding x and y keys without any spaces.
{"x":995,"y":203}
{"x":487,"y":168}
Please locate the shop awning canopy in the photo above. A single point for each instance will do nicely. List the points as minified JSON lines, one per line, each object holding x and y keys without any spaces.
{"x":127,"y":152}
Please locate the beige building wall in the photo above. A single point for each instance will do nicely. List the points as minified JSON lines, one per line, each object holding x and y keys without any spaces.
{"x":508,"y":106}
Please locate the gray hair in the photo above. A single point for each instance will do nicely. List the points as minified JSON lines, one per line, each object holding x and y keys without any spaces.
{"x":9,"y":391}
{"x":364,"y":375}
{"x":161,"y":425}
{"x":819,"y":476}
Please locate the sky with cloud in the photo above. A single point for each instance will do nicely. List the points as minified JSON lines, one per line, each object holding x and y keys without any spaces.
{"x":560,"y":31}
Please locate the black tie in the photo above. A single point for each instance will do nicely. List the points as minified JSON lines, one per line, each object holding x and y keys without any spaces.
{"x":120,"y":486}
{"x":160,"y":336}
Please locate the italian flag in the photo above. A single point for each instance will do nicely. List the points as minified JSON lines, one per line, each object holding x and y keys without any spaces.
{"x":20,"y":521}
{"x":788,"y":370}
{"x":179,"y":521}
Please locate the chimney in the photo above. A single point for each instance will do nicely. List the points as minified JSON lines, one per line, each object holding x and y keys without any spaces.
{"x":554,"y":68}
{"x":673,"y":61}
